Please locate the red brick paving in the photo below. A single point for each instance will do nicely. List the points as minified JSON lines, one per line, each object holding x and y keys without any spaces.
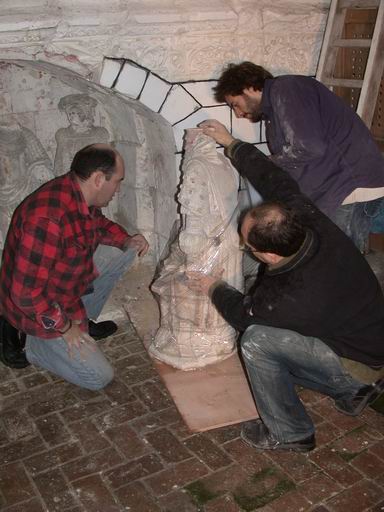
{"x":126,"y":448}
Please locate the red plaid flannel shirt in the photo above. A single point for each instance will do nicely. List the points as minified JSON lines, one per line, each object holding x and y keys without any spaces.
{"x":48,"y":257}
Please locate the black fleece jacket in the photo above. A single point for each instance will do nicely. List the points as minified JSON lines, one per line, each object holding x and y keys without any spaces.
{"x":327,"y":290}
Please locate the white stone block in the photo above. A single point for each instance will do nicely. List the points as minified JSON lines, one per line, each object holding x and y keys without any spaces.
{"x":294,"y":18}
{"x":34,"y":21}
{"x":292,"y":53}
{"x":26,"y":101}
{"x":202,"y":92}
{"x":131,"y":80}
{"x":109,"y":72}
{"x":145,"y":208}
{"x":178,"y":105}
{"x":5,"y":103}
{"x":154,"y":93}
{"x":246,"y":131}
{"x":166,"y":208}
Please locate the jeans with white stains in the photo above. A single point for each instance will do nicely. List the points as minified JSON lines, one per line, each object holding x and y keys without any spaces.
{"x":88,"y":367}
{"x":356,"y":221}
{"x":278,"y":359}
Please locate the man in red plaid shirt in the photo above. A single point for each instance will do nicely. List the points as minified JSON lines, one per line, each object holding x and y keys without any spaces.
{"x":61,"y":260}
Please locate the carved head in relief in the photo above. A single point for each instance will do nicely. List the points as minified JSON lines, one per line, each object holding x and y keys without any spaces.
{"x":80,"y":109}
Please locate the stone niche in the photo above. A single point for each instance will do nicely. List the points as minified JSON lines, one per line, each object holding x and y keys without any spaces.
{"x":47,"y":113}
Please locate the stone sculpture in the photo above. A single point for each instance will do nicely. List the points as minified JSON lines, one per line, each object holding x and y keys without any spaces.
{"x":24,"y":166}
{"x":80,"y":111}
{"x":192,"y":334}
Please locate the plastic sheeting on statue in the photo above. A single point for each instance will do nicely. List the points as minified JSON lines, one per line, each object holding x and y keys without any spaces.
{"x":192,"y":333}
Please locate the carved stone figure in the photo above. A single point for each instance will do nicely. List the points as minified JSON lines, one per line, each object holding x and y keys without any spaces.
{"x":80,"y":110}
{"x":24,"y":166}
{"x":192,"y":334}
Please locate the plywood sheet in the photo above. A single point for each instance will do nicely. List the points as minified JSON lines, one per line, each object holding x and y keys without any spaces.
{"x":210,"y":397}
{"x":207,"y":398}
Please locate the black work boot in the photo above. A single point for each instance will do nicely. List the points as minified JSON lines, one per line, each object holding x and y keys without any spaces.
{"x":365,"y":396}
{"x":101,"y":330}
{"x":12,"y":343}
{"x":257,"y":435}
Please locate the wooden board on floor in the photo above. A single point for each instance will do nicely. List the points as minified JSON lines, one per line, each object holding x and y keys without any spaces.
{"x":210,"y":397}
{"x":207,"y":398}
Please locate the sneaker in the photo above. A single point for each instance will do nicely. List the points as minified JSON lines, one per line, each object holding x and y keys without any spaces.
{"x":101,"y":330}
{"x":257,"y":435}
{"x":365,"y":396}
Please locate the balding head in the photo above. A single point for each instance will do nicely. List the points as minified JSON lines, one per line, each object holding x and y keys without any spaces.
{"x":95,"y":157}
{"x":273,"y":228}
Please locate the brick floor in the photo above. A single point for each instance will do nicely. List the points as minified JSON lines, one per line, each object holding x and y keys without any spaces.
{"x":126,"y":448}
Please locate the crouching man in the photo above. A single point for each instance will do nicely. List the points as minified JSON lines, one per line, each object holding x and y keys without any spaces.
{"x":61,"y":260}
{"x":315,"y":300}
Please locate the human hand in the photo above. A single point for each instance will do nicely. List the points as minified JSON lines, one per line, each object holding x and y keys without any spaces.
{"x":217,"y":131}
{"x":139,"y":243}
{"x":78,"y":339}
{"x":199,"y":282}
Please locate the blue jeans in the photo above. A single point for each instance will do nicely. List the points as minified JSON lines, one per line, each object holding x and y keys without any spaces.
{"x":356,"y":219}
{"x":278,"y":359}
{"x":88,"y":368}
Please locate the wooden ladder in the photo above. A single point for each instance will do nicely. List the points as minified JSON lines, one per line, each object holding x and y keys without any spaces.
{"x":366,"y":87}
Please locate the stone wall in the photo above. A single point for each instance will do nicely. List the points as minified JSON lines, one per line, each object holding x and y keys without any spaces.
{"x":48,"y":113}
{"x":177,"y":39}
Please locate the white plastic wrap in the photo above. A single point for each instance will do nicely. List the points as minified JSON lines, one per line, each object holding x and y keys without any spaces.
{"x":192,"y":334}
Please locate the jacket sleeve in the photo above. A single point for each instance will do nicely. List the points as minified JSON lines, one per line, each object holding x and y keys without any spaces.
{"x":232,"y":306}
{"x":272,"y":182}
{"x":302,"y":130}
{"x":109,"y":232}
{"x":39,"y":247}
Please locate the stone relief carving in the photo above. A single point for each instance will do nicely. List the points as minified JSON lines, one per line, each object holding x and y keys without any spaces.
{"x":24,"y":166}
{"x":283,"y":53}
{"x":34,"y":133}
{"x":129,"y":30}
{"x":192,"y":334}
{"x":80,"y":111}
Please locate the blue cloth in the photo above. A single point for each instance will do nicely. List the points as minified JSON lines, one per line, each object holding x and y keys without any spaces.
{"x":316,"y":137}
{"x":278,"y":359}
{"x":87,"y":368}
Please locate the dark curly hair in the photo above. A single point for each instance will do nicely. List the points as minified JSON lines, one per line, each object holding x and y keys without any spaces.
{"x":237,"y":77}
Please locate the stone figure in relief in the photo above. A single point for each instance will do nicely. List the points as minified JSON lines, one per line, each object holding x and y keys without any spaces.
{"x":80,"y":111}
{"x":192,"y":334}
{"x":24,"y":166}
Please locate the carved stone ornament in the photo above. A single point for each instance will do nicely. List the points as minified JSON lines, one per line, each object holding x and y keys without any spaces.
{"x":192,"y":334}
{"x":48,"y":113}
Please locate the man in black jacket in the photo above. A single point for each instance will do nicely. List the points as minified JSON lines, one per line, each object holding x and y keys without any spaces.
{"x":315,"y":300}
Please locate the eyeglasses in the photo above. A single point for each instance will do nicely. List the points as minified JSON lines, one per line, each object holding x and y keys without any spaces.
{"x":248,"y":250}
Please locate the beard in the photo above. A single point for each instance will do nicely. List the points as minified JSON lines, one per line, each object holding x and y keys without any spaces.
{"x":253,"y":108}
{"x":256,"y":117}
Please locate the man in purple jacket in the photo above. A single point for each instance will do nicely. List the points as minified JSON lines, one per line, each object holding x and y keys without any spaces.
{"x":317,"y":138}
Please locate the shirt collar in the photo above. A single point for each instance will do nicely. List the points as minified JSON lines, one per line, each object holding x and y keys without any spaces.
{"x":292,"y":261}
{"x":265,"y":106}
{"x":82,"y":205}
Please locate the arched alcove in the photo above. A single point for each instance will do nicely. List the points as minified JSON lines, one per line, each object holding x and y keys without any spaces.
{"x":49,"y":113}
